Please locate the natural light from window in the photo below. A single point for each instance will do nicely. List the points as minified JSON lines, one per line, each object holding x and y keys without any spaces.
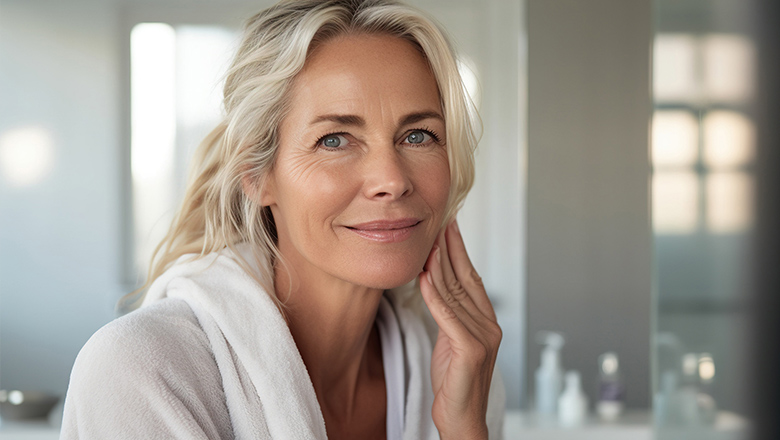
{"x":176,"y":90}
{"x":26,"y":155}
{"x":703,"y":141}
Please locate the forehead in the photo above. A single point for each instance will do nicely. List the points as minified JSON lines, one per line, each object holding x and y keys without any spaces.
{"x":361,"y":73}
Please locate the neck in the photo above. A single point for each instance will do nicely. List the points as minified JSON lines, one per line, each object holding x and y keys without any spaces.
{"x":332,"y":323}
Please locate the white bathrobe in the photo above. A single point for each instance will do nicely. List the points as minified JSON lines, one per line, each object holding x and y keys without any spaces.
{"x":209,"y":356}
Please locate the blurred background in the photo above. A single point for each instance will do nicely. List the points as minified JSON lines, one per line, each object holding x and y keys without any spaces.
{"x":613,"y":212}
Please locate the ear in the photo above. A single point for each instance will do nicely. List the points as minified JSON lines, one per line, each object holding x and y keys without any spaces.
{"x":260,"y":190}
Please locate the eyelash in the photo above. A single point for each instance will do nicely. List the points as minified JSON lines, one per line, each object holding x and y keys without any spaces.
{"x":426,"y":130}
{"x":318,"y":144}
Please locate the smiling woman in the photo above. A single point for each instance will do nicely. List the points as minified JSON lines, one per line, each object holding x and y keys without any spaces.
{"x":359,"y":175}
{"x":287,"y":299}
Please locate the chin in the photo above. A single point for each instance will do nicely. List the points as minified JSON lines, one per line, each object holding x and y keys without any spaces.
{"x":389,"y":275}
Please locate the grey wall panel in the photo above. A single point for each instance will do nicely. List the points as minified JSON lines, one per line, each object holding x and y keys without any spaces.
{"x":589,"y":237}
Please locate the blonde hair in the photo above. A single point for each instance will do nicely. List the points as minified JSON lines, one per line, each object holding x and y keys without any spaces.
{"x":216,"y":213}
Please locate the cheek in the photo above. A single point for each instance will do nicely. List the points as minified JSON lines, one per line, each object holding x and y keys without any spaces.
{"x":434,"y":182}
{"x":313,"y":192}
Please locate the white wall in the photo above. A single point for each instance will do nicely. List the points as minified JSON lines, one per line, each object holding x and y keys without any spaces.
{"x":59,"y":238}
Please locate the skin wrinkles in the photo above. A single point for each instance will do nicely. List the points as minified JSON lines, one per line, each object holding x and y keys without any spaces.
{"x":360,"y":122}
{"x":340,"y":91}
{"x":382,"y":83}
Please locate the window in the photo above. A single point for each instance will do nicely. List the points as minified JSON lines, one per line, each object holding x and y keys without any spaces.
{"x":703,"y":141}
{"x":175,"y":101}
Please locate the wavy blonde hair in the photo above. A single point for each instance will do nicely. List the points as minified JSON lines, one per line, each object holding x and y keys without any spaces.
{"x":216,"y":213}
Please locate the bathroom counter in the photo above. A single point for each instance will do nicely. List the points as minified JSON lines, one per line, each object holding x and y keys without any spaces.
{"x":633,"y":425}
{"x":29,"y":430}
{"x":636,"y":425}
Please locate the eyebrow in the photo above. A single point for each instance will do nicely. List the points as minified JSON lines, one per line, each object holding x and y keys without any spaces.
{"x":340,"y":119}
{"x":360,"y":122}
{"x":417,"y":117}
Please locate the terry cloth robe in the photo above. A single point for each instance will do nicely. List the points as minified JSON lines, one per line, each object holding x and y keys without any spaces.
{"x":209,"y":356}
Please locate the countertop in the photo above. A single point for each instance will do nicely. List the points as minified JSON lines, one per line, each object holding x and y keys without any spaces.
{"x":635,"y":425}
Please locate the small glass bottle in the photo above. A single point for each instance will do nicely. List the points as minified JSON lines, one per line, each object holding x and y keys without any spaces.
{"x":611,"y":390}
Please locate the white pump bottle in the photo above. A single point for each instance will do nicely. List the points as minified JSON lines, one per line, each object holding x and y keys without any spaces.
{"x":573,"y":404}
{"x":549,"y":376}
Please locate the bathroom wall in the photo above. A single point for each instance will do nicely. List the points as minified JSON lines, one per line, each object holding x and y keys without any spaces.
{"x":60,"y":193}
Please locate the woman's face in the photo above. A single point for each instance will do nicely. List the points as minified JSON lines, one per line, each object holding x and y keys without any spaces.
{"x":362,"y":178}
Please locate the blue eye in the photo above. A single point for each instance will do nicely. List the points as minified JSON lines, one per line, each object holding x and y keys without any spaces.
{"x":418,"y":137}
{"x":333,"y":141}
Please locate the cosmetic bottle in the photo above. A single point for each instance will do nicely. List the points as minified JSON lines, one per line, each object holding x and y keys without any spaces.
{"x":687,"y":398}
{"x":665,"y":407}
{"x":549,"y":375}
{"x":696,"y":407}
{"x":708,"y":409}
{"x":611,"y":389}
{"x":573,"y":404}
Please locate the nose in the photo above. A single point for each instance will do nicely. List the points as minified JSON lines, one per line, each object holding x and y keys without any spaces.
{"x":387,"y":175}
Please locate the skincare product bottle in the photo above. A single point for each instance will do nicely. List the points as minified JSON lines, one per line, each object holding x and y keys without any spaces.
{"x":696,"y":407}
{"x":549,"y":376}
{"x":573,"y":404}
{"x":611,"y":388}
{"x":687,"y":395}
{"x":708,"y":409}
{"x":665,"y":409}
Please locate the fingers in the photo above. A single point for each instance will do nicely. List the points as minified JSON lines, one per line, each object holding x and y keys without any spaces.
{"x":464,"y":271}
{"x":465,"y":352}
{"x":452,"y":292}
{"x":447,"y":282}
{"x":444,"y":271}
{"x":442,"y":313}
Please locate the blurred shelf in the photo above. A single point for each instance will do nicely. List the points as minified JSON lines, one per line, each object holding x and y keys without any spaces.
{"x":633,"y":425}
{"x":35,"y":429}
{"x":29,"y":430}
{"x":703,"y":306}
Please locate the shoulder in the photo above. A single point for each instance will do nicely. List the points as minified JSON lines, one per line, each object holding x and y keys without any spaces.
{"x":165,"y":332}
{"x":152,"y":370}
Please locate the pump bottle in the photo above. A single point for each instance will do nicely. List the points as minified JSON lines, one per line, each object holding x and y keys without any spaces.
{"x":549,"y":376}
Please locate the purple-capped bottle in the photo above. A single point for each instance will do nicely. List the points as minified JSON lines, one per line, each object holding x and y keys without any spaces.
{"x":611,"y":397}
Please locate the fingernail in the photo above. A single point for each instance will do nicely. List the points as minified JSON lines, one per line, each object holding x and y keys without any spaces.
{"x":438,"y":254}
{"x":430,"y":280}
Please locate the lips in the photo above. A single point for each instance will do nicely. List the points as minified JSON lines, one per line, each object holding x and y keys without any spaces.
{"x":386,"y":224}
{"x":386,"y":231}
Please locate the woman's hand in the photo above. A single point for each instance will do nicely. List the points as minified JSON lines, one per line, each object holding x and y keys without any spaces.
{"x":465,"y":351}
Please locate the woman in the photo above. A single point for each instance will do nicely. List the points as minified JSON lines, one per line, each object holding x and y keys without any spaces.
{"x":285,"y":300}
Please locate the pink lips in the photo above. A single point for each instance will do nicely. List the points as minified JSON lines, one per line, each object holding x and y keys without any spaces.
{"x":386,"y":231}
